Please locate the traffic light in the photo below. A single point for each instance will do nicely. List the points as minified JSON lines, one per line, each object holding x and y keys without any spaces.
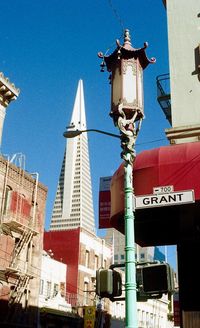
{"x":108,"y":283}
{"x":158,"y":278}
{"x":153,"y":280}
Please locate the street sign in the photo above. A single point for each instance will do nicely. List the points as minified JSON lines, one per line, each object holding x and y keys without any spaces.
{"x":89,"y":316}
{"x":165,"y":199}
{"x":163,"y":190}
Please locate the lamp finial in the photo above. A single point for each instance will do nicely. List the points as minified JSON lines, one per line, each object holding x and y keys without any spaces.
{"x":127,"y":37}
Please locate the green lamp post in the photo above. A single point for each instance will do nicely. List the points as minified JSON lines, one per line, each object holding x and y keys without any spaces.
{"x":126,"y":66}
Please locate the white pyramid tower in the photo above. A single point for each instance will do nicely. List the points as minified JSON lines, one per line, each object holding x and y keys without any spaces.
{"x":73,"y":206}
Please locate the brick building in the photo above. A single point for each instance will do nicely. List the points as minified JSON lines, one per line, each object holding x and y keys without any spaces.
{"x":22,"y":210}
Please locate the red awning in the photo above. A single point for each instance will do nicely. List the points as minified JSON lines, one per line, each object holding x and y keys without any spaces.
{"x":175,"y":165}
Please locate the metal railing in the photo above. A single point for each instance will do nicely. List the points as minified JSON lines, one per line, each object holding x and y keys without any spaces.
{"x":163,"y":94}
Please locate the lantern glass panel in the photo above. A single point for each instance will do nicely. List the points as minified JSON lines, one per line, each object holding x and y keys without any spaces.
{"x":140,"y":91}
{"x":116,"y":87}
{"x":129,"y":85}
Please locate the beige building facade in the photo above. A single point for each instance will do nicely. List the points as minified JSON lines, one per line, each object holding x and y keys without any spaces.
{"x":184,"y":61}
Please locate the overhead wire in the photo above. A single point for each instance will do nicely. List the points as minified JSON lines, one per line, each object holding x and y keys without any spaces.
{"x":118,"y":18}
{"x":115,"y":12}
{"x":148,"y":142}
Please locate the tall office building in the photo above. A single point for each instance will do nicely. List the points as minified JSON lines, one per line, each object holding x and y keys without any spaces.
{"x":142,"y":254}
{"x":73,"y":206}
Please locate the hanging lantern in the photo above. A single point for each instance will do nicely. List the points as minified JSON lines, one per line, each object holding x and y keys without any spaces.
{"x":126,"y":66}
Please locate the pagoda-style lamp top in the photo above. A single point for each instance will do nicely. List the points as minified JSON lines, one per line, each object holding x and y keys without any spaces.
{"x":126,"y":65}
{"x":126,"y":51}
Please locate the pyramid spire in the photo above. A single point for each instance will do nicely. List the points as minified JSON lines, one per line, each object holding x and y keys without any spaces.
{"x":78,"y":115}
{"x":73,"y":206}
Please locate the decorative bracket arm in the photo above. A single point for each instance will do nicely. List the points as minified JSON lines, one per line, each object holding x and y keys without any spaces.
{"x":129,"y":129}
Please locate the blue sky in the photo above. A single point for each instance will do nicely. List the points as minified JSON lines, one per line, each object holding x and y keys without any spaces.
{"x":47,"y":46}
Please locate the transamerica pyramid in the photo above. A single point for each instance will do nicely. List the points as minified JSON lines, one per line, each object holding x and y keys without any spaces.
{"x":73,"y":206}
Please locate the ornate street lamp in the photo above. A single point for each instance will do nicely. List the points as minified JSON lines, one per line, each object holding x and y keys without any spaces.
{"x":126,"y":66}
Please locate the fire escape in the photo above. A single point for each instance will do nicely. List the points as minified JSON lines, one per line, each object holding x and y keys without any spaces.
{"x":164,"y":96}
{"x":19,"y":271}
{"x":20,"y":225}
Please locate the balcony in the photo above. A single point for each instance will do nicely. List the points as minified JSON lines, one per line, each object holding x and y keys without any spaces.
{"x":163,"y":95}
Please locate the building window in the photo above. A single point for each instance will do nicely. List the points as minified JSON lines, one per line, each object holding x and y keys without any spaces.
{"x":142,"y":256}
{"x":104,"y":263}
{"x":86,"y":293}
{"x":116,"y":258}
{"x":147,"y":319}
{"x":55,"y":290}
{"x":151,"y":319}
{"x":122,"y":257}
{"x":7,"y":199}
{"x":41,"y":287}
{"x":28,"y":250}
{"x":96,"y":262}
{"x":87,"y":254}
{"x":48,"y":289}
